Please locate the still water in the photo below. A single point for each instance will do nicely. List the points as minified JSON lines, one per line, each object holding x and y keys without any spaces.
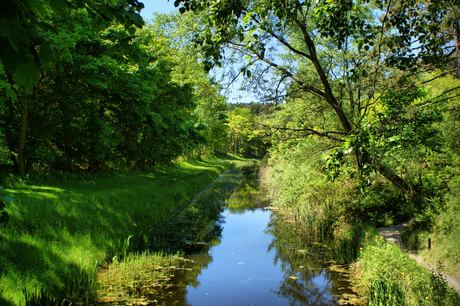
{"x":254,"y":257}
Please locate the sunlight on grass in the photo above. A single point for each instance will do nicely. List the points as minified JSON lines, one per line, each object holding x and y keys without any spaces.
{"x":59,"y":234}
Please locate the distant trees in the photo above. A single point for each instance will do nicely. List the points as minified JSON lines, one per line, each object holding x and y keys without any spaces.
{"x":246,"y":135}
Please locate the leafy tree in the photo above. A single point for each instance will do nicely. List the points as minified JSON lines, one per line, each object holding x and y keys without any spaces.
{"x":334,"y":53}
{"x":26,"y":47}
{"x":114,"y":102}
{"x":245,"y":133}
{"x":176,"y":32}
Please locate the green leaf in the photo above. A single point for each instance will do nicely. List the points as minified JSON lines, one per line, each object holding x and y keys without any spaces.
{"x":46,"y":53}
{"x":132,"y":30}
{"x":26,"y":75}
{"x":11,"y":93}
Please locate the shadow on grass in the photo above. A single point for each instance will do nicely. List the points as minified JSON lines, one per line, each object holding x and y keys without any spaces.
{"x":5,"y":302}
{"x":61,"y":230}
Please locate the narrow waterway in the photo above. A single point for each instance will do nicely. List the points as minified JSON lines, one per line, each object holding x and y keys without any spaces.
{"x":251,"y":256}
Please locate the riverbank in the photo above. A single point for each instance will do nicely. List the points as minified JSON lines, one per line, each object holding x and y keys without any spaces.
{"x":60,"y":232}
{"x":385,"y":274}
{"x":393,"y":234}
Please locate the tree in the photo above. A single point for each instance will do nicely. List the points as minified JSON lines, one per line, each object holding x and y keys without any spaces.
{"x":335,"y":51}
{"x":114,"y":103}
{"x":177,"y":32}
{"x":26,"y":46}
{"x":245,"y":133}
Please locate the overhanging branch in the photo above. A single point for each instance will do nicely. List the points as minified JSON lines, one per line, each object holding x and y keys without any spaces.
{"x":306,"y":131}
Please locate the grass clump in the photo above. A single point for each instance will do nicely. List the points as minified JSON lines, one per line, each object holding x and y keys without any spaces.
{"x":127,"y":281}
{"x":346,"y":247}
{"x":388,"y":276}
{"x":60,"y":232}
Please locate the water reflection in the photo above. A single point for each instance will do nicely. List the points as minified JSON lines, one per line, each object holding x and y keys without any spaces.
{"x":243,"y":254}
{"x":247,"y":196}
{"x":306,"y":278}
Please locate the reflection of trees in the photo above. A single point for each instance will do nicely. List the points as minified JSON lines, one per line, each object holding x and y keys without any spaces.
{"x":192,"y":232}
{"x":174,"y":292}
{"x":247,"y":196}
{"x":200,"y":223}
{"x":305,"y":280}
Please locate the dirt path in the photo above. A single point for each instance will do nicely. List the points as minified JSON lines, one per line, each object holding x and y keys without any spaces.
{"x":392,"y":234}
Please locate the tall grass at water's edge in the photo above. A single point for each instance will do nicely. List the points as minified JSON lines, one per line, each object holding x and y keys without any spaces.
{"x":386,"y":275}
{"x":60,"y":234}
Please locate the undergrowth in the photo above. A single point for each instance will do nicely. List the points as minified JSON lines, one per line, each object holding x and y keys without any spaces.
{"x":343,"y":213}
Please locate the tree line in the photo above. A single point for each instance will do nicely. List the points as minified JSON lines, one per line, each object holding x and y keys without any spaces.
{"x":88,"y":88}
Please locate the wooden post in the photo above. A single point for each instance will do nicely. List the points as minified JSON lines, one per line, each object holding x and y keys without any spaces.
{"x":429,"y":243}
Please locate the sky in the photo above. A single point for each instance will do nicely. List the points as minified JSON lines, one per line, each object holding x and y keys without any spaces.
{"x":160,"y":6}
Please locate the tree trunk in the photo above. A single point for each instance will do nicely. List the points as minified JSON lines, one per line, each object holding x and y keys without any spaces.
{"x":396,"y":180}
{"x":457,"y":47}
{"x":23,"y":135}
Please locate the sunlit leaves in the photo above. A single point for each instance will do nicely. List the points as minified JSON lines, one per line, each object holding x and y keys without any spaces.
{"x":23,"y":33}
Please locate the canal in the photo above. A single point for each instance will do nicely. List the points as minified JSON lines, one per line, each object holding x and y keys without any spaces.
{"x":239,"y":252}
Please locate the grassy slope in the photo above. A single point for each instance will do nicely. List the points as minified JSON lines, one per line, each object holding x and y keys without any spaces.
{"x":60,"y":233}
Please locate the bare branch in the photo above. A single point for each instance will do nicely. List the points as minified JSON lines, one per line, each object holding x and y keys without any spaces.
{"x":436,"y":102}
{"x":307,"y":131}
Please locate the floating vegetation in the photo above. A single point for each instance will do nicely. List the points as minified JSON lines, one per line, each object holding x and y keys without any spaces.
{"x":129,"y":281}
{"x":139,"y":278}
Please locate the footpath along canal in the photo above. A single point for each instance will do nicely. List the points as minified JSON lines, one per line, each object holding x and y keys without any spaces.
{"x":238,"y":252}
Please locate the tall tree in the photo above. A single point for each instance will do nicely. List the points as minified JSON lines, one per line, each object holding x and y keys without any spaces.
{"x":177,"y":34}
{"x":310,"y":32}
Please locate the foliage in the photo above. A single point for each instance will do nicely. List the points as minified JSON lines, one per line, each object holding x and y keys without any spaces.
{"x":176,"y":33}
{"x":26,"y":49}
{"x":346,"y":247}
{"x":296,"y":184}
{"x":331,"y":54}
{"x":245,"y":134}
{"x":115,"y":104}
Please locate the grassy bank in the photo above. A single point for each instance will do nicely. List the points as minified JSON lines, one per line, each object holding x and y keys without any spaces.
{"x":61,"y":231}
{"x":388,"y":276}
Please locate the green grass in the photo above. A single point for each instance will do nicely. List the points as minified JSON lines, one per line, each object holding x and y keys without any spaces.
{"x":60,"y":233}
{"x":388,"y":276}
{"x":345,"y":248}
{"x":135,"y":273}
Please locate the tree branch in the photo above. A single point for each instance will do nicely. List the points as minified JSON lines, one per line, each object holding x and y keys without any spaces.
{"x":308,"y":132}
{"x":306,"y":87}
